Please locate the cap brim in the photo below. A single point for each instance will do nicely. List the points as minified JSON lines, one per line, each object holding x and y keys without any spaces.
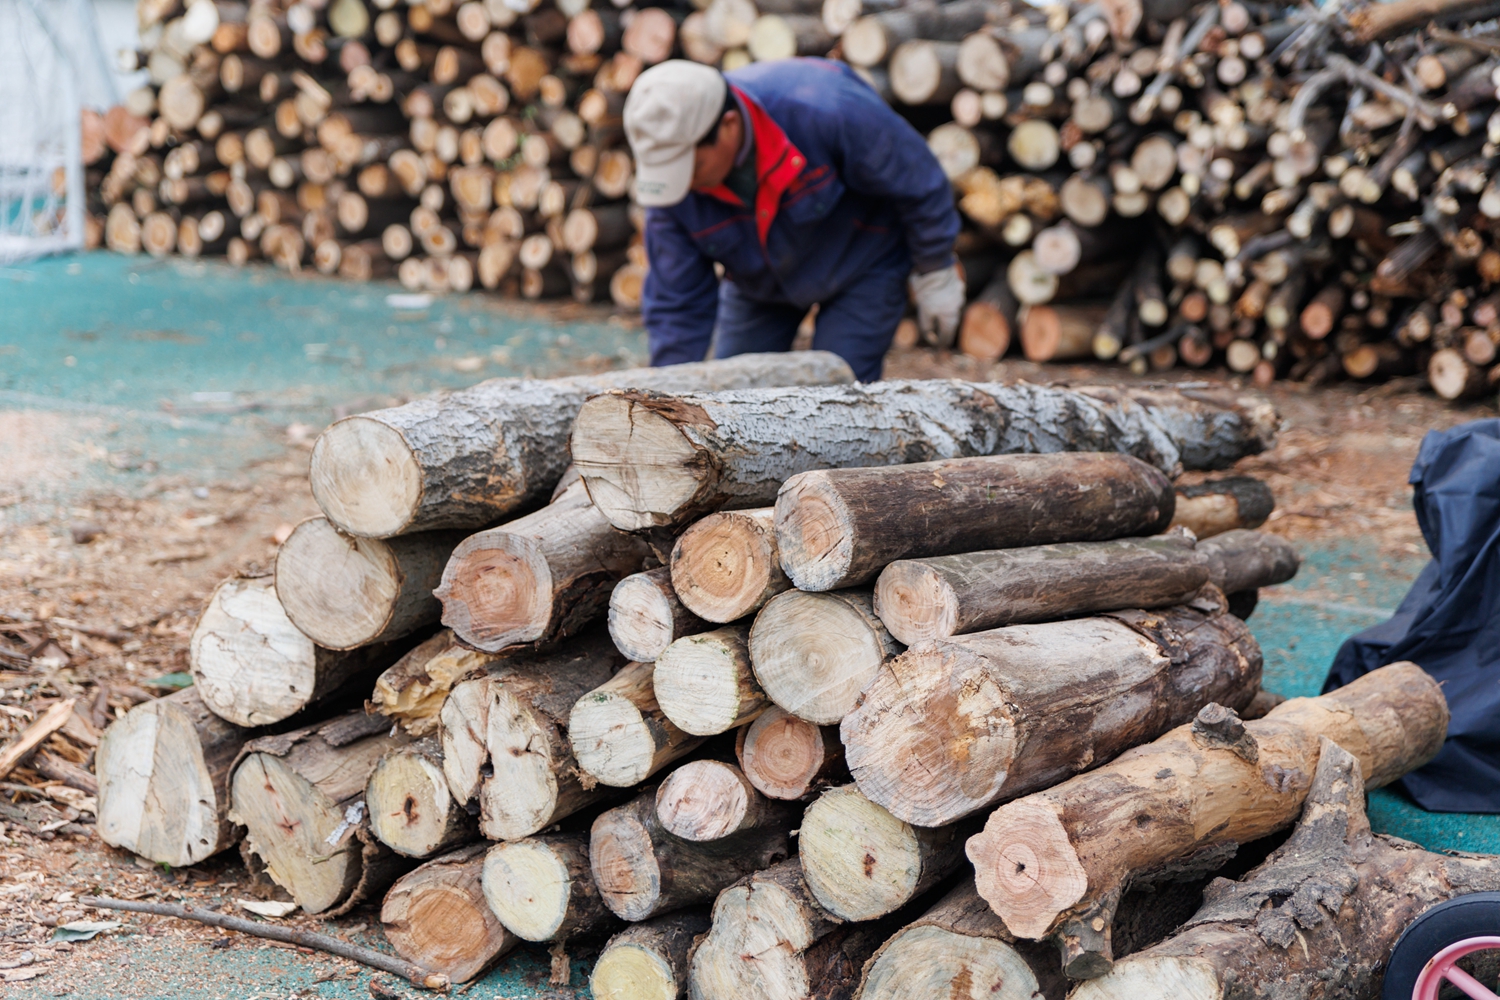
{"x":663,"y":184}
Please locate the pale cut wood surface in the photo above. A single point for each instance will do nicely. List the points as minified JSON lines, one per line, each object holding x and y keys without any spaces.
{"x":620,"y":735}
{"x":646,"y":615}
{"x":704,"y":683}
{"x":436,"y":916}
{"x":411,"y":810}
{"x":726,"y":566}
{"x":412,"y":690}
{"x":542,"y":890}
{"x":785,"y":757}
{"x":709,"y":800}
{"x":648,"y":960}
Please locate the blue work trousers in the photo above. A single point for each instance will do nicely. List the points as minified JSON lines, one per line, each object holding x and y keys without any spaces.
{"x":857,"y":324}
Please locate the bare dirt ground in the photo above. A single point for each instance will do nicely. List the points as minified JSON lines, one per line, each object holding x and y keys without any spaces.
{"x":98,"y":606}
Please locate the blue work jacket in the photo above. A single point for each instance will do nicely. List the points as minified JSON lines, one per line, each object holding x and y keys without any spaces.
{"x":841,"y":180}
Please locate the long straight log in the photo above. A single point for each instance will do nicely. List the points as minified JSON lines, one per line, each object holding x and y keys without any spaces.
{"x":505,"y":737}
{"x":437,"y":917}
{"x":649,"y":960}
{"x":542,"y":890}
{"x":1053,"y":864}
{"x":296,"y":796}
{"x":953,"y":726}
{"x":343,"y":592}
{"x":841,"y":527}
{"x":538,"y":578}
{"x":163,"y":771}
{"x":1332,"y":897}
{"x":469,"y":458}
{"x":253,"y":667}
{"x":726,"y":566}
{"x":651,"y":459}
{"x":411,"y":809}
{"x":785,"y":757}
{"x":646,"y":616}
{"x":643,"y":870}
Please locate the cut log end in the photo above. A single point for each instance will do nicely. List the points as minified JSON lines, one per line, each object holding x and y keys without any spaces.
{"x":705,"y":800}
{"x":528,"y":885}
{"x":624,"y":864}
{"x":612,"y":739}
{"x":497,"y":591}
{"x":437,"y":917}
{"x":814,"y":653}
{"x":346,"y":457}
{"x":859,"y":861}
{"x":932,"y":961}
{"x":411,"y":810}
{"x":615,"y":441}
{"x":631,"y":971}
{"x":725,"y":566}
{"x":646,"y":616}
{"x":704,"y":684}
{"x":783,"y":756}
{"x":251,"y":665}
{"x":1026,"y":868}
{"x":1156,"y":977}
{"x":916,"y":602}
{"x":813,"y":533}
{"x":339,"y":590}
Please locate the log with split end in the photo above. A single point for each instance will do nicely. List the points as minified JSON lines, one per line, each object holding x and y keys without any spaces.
{"x":642,"y":870}
{"x":342,"y":591}
{"x":704,"y":683}
{"x":814,"y":653}
{"x":253,"y":667}
{"x":726,"y":566}
{"x":952,"y":726}
{"x":163,"y":770}
{"x":709,"y":800}
{"x":620,"y":735}
{"x":841,"y":527}
{"x":649,"y":960}
{"x":412,"y":691}
{"x":537,"y":578}
{"x":411,"y":810}
{"x":542,"y":890}
{"x":785,"y":757}
{"x":470,"y":458}
{"x":646,"y":615}
{"x":505,"y":737}
{"x":1053,"y":864}
{"x":862,"y":863}
{"x":436,"y":916}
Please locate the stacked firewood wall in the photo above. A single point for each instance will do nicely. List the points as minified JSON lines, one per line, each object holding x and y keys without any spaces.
{"x":765,"y":683}
{"x":1299,"y":195}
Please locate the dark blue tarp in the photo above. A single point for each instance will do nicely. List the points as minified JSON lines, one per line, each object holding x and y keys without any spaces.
{"x":1449,"y":622}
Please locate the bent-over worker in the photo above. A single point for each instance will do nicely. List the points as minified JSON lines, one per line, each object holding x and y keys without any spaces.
{"x":809,"y":190}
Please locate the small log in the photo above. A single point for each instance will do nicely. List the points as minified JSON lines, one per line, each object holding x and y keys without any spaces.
{"x":1060,"y":332}
{"x":299,"y":796}
{"x":643,"y":870}
{"x":649,"y":960}
{"x":646,"y":616}
{"x":1454,"y":376}
{"x":412,"y":690}
{"x":814,"y":653}
{"x":925,"y":72}
{"x":862,"y":863}
{"x":436,"y":916}
{"x":538,"y":578}
{"x":253,"y":667}
{"x":411,"y":810}
{"x":785,"y":757}
{"x":1241,"y":561}
{"x":1034,"y":144}
{"x":163,"y":772}
{"x":1077,"y":862}
{"x":871,"y":39}
{"x":725,"y":566}
{"x":709,"y":800}
{"x":1218,"y":505}
{"x":650,"y":35}
{"x":505,"y":737}
{"x":704,"y":683}
{"x":785,"y":36}
{"x":470,"y":458}
{"x":841,"y":527}
{"x":993,"y":58}
{"x":619,"y":734}
{"x":542,"y":890}
{"x":989,"y":320}
{"x":343,"y":592}
{"x":922,"y":741}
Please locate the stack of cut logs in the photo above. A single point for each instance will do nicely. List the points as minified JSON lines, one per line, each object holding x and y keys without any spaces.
{"x":1304,"y":195}
{"x":769,"y":684}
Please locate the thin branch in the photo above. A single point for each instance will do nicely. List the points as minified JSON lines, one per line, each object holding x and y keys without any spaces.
{"x":1359,"y":75}
{"x":1485,"y":45}
{"x":415,"y":974}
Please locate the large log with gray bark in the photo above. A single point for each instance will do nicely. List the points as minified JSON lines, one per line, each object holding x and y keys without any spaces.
{"x":841,"y":527}
{"x":1054,"y":863}
{"x":950,"y":727}
{"x":651,"y":459}
{"x":471,"y":458}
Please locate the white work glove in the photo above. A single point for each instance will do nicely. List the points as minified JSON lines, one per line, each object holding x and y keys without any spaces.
{"x":940,"y":304}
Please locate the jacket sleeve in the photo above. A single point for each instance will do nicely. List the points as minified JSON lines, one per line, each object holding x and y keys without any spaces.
{"x":885,"y":158}
{"x":680,"y":300}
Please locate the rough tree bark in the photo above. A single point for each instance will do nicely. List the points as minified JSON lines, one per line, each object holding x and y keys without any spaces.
{"x":952,"y":726}
{"x":436,"y":916}
{"x":646,"y":616}
{"x":1053,"y":864}
{"x":470,"y":458}
{"x":841,"y":527}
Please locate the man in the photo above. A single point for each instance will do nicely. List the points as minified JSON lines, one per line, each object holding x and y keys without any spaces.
{"x":809,"y":190}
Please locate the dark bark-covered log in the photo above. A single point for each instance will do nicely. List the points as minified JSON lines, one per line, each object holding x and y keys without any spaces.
{"x":726,"y":566}
{"x":296,"y":796}
{"x":704,"y":683}
{"x":1218,"y":505}
{"x":469,"y":458}
{"x":814,"y":653}
{"x":649,"y":960}
{"x":643,"y":870}
{"x":538,"y":578}
{"x":1243,"y":560}
{"x":785,"y":757}
{"x":646,"y":616}
{"x":505,"y":737}
{"x":343,"y":592}
{"x":253,"y":667}
{"x":619,"y":734}
{"x":436,"y":916}
{"x":841,"y":527}
{"x":710,"y":800}
{"x":862,"y":863}
{"x":411,"y":809}
{"x":1053,"y":864}
{"x":651,"y":459}
{"x":542,"y":890}
{"x":989,"y":321}
{"x":953,"y":726}
{"x":163,"y":771}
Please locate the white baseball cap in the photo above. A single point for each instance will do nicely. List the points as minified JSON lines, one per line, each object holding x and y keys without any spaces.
{"x":671,"y":107}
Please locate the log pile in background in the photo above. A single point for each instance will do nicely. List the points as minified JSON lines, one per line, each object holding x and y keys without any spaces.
{"x":681,"y":683}
{"x":1289,"y":194}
